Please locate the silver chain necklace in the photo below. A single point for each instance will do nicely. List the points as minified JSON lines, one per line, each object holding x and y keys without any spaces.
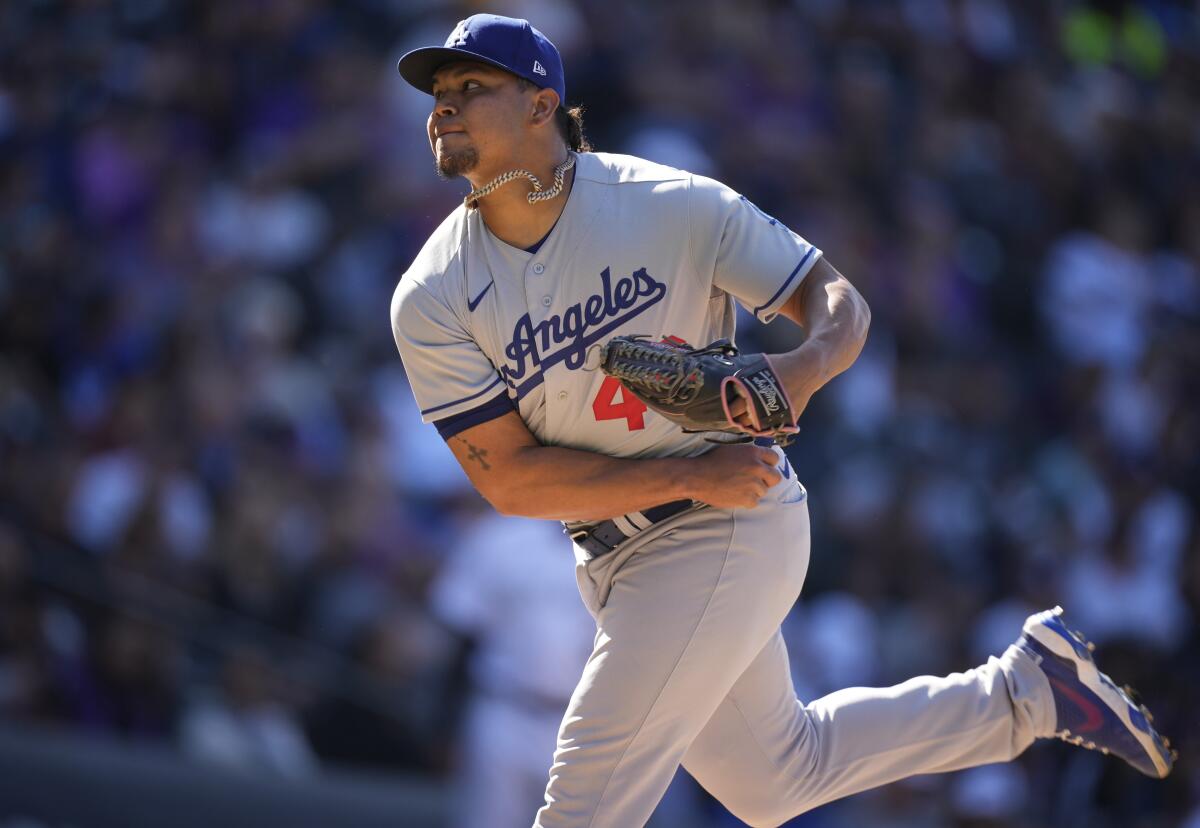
{"x":538,"y":194}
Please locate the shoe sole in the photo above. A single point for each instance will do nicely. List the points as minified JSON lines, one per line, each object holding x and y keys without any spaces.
{"x":1049,"y":631}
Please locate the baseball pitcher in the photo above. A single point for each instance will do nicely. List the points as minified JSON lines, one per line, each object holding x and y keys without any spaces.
{"x":569,"y":330}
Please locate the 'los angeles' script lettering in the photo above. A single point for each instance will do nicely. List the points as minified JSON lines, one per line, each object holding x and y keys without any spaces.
{"x":532,"y":344}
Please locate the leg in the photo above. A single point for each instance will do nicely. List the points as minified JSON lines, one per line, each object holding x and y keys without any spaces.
{"x":767,"y":757}
{"x":683,"y":620}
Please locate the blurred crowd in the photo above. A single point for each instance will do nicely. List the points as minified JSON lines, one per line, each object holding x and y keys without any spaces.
{"x":222,"y":524}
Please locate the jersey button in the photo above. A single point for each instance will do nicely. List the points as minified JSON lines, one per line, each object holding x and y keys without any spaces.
{"x":562,"y":395}
{"x":546,"y":301}
{"x":539,"y":268}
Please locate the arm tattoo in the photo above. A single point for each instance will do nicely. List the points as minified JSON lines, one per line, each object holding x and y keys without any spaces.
{"x":477,"y":453}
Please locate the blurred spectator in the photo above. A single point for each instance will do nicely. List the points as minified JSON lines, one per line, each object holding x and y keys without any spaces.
{"x":22,"y":651}
{"x":832,"y":643}
{"x":990,"y":795}
{"x":127,"y":683}
{"x":243,"y":725}
{"x":401,"y":715}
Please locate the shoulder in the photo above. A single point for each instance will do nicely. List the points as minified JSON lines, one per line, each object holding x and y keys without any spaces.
{"x":712,"y":203}
{"x":705,"y":197}
{"x":709,"y":190}
{"x":436,"y":273}
{"x":613,"y":168}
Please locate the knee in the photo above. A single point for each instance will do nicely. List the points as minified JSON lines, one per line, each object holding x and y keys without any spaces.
{"x":780,"y":797}
{"x":772,"y":807}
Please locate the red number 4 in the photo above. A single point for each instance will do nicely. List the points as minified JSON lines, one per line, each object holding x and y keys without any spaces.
{"x":629,"y":409}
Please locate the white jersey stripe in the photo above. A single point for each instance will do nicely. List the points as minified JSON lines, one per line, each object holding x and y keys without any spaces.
{"x":639,"y":520}
{"x":626,"y":526}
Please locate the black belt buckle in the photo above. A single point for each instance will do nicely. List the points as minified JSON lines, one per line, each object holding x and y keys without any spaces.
{"x":599,"y":539}
{"x":594,"y":546}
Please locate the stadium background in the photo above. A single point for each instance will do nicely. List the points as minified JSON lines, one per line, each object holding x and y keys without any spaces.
{"x":221,"y":523}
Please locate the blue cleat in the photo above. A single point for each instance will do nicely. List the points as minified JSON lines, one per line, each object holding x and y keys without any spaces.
{"x":1092,"y":711}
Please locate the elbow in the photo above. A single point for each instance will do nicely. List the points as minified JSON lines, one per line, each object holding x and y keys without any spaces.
{"x":865,"y":319}
{"x":514,"y":503}
{"x":502,"y":500}
{"x":510,"y":485}
{"x":510,"y":502}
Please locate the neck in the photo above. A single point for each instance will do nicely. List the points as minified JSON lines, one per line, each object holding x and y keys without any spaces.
{"x":507,"y":212}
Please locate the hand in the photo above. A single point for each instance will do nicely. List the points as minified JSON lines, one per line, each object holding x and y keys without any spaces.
{"x":739,"y":409}
{"x":734,"y":477}
{"x":738,"y":412}
{"x":800,"y":372}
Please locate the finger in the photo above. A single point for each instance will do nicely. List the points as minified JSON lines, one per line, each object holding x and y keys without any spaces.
{"x":768,"y":456}
{"x":744,"y":420}
{"x":738,"y":407}
{"x":768,"y":476}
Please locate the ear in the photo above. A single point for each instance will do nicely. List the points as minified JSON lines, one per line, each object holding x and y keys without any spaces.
{"x":545,"y":103}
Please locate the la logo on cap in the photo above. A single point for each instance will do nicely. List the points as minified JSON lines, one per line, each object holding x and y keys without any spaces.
{"x":458,"y":37}
{"x":538,"y":69}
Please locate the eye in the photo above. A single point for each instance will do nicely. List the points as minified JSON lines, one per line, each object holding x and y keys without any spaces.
{"x":467,"y":86}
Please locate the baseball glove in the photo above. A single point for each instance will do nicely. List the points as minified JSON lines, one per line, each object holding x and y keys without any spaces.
{"x":695,"y":387}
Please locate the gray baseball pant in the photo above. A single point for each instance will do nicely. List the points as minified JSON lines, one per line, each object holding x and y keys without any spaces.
{"x":689,"y":667}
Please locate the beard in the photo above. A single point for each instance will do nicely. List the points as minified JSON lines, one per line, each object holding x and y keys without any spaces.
{"x":459,"y":162}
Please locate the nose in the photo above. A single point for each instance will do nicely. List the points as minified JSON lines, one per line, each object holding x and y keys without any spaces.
{"x":443,"y":108}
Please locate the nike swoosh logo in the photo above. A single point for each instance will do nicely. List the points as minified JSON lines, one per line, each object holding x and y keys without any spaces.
{"x":473,"y":304}
{"x":1094,"y":718}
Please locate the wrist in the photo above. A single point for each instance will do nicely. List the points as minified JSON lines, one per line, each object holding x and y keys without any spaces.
{"x":682,"y":475}
{"x":803,"y":370}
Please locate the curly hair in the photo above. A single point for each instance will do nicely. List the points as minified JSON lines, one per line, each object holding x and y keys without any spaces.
{"x":569,"y":122}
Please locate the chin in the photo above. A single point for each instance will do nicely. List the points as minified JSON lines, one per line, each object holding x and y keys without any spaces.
{"x":459,"y":162}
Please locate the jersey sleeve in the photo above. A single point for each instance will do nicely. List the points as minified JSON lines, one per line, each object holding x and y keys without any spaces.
{"x":446,"y":369}
{"x":752,"y":256}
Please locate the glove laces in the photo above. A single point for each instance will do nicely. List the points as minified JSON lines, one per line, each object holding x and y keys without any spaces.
{"x":661,"y":371}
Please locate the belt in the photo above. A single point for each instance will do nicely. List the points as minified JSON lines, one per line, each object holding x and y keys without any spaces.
{"x":607,"y":535}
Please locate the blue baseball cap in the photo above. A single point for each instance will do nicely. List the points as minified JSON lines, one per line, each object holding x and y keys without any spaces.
{"x":508,"y":43}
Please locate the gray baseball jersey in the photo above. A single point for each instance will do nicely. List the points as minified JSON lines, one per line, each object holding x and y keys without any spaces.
{"x":640,"y":248}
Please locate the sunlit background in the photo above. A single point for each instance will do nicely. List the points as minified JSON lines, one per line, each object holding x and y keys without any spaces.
{"x":241,"y":584}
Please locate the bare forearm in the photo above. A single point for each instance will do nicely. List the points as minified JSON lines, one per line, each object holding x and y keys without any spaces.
{"x":566,"y":484}
{"x":836,"y":319}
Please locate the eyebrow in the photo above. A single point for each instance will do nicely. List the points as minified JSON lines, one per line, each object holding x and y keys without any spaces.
{"x":466,"y":68}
